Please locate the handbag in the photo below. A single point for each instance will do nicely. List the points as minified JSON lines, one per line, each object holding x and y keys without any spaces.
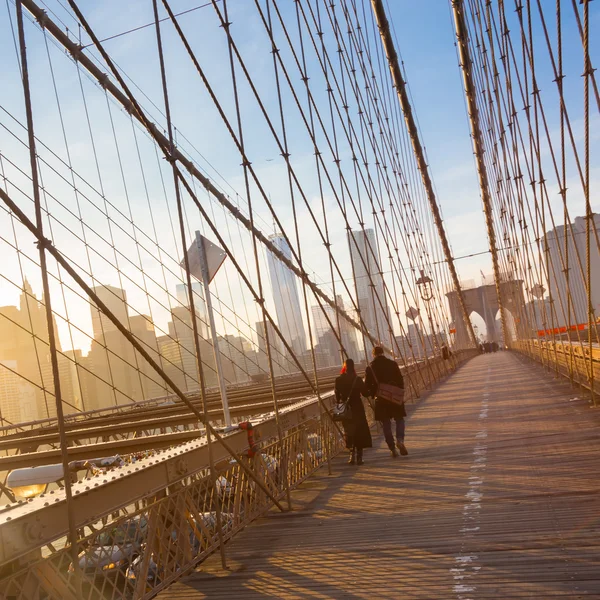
{"x":391,"y":393}
{"x":343,"y":411}
{"x":387,"y":391}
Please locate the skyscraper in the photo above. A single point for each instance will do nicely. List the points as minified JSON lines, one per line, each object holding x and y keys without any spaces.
{"x":199,"y":305}
{"x":577,"y":286}
{"x":285,"y":295}
{"x":24,"y":339}
{"x":116,"y":301}
{"x":17,"y":396}
{"x":122,"y":375}
{"x":346,"y":332}
{"x":368,"y":279}
{"x":277,"y":355}
{"x":178,"y":350}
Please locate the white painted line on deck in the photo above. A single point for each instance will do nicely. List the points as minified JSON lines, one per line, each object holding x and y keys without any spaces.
{"x":466,"y":567}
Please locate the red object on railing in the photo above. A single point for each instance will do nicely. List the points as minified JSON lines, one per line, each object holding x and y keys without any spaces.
{"x":557,"y":330}
{"x":252,"y":447}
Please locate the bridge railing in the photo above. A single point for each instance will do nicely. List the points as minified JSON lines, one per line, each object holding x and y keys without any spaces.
{"x":569,"y":359}
{"x":143,"y":525}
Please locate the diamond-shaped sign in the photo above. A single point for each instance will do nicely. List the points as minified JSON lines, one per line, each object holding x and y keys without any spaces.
{"x":215,"y":257}
{"x":412,"y":313}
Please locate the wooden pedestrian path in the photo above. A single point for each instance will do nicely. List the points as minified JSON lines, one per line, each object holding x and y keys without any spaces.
{"x":497,"y":499}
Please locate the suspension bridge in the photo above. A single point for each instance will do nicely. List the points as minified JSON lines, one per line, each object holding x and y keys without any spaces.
{"x":205,"y":209}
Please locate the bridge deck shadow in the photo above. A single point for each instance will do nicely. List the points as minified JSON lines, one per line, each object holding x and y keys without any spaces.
{"x":498,"y":498}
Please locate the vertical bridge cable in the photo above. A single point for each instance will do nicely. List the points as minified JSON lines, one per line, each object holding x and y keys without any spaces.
{"x":588,"y":207}
{"x":399,"y":82}
{"x":190,"y":290}
{"x":47,"y":299}
{"x":126,"y":101}
{"x":47,"y":244}
{"x":261,"y":302}
{"x":471,"y":97}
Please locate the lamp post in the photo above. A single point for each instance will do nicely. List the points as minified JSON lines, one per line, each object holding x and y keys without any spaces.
{"x":425,"y":287}
{"x":538,"y":291}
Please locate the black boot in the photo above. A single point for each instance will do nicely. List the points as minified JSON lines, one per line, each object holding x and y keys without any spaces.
{"x":393,"y":450}
{"x":352,"y":460}
{"x":359,"y":456}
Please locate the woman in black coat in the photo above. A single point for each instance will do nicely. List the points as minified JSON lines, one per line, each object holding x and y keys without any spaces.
{"x":348,"y":388}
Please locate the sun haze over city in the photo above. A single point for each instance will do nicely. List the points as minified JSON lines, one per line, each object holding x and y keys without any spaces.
{"x":219,"y":219}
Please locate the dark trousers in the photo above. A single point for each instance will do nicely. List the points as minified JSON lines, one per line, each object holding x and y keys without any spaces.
{"x":387,"y":431}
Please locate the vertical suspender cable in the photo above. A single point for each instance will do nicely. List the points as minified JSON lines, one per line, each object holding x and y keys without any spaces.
{"x":563,"y":178}
{"x":589,"y":215}
{"x":266,"y":333}
{"x":470,"y":94}
{"x":47,"y":302}
{"x":190,"y":290}
{"x":392,"y":56}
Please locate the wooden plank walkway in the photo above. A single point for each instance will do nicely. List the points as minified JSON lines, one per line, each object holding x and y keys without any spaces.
{"x":497,"y":499}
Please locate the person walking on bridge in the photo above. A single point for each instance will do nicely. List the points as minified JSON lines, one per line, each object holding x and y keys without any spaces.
{"x":384,"y":370}
{"x":348,"y":388}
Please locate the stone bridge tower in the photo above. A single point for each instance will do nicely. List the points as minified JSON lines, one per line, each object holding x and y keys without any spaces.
{"x":483,"y":300}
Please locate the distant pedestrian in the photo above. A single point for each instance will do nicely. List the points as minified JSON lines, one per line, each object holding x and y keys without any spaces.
{"x":447,"y":356}
{"x":383,"y":370}
{"x":348,"y":388}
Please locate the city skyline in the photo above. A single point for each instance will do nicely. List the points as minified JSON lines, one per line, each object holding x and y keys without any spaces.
{"x":108,"y":366}
{"x":112,"y":372}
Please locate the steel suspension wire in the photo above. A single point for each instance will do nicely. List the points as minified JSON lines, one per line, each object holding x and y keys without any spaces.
{"x":421,"y":213}
{"x":87,"y":246}
{"x":517,"y":146}
{"x":278,"y":140}
{"x":303,"y":116}
{"x":255,"y":250}
{"x":47,"y":244}
{"x":164,"y":147}
{"x":368,"y":182}
{"x":501,"y":205}
{"x":126,"y":101}
{"x":113,"y":386}
{"x":138,"y":246}
{"x":588,"y":206}
{"x":192,"y":304}
{"x":372,"y":104}
{"x":247,"y":164}
{"x":73,"y":538}
{"x":360,"y":112}
{"x":354,"y":143}
{"x":418,"y":150}
{"x":418,"y":254}
{"x":550,"y":265}
{"x":470,"y":92}
{"x":556,"y":170}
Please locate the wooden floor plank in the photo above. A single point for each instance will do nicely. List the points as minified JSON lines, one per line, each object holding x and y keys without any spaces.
{"x":497,"y":499}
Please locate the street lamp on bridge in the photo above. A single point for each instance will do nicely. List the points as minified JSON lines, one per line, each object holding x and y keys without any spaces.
{"x":425,"y":287}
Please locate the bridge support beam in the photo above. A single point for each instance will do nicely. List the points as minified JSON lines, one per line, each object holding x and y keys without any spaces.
{"x":400,"y":85}
{"x":462,"y":39}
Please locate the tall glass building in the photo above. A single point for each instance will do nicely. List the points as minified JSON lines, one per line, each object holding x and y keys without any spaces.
{"x":368,"y":279}
{"x":285,"y":295}
{"x":181,"y":291}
